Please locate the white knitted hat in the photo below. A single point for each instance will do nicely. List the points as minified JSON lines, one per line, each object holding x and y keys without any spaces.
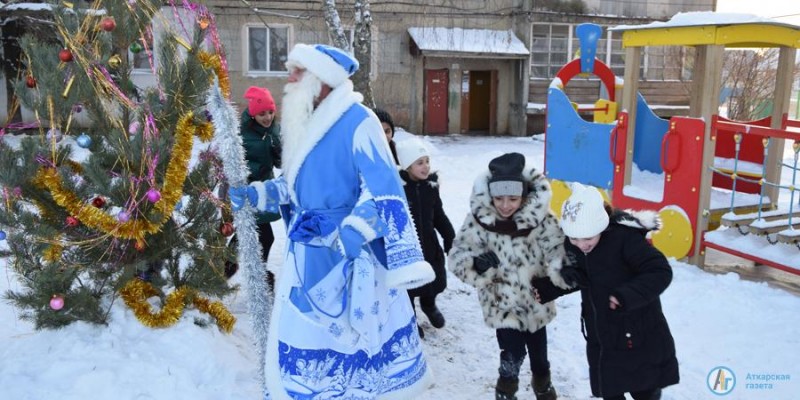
{"x":583,"y":215}
{"x":410,"y":150}
{"x":331,"y":65}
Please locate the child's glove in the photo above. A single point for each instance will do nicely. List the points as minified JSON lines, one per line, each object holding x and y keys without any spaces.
{"x":544,"y":290}
{"x":487,"y":260}
{"x":575,"y":276}
{"x":350,"y":242}
{"x":239,"y":195}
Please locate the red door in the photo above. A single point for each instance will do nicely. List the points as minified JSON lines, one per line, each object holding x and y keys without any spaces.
{"x":436,"y":101}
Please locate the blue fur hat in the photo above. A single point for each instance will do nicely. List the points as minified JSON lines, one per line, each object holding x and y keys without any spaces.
{"x":331,"y":65}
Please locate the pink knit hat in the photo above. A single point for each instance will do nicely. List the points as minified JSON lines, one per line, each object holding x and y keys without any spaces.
{"x":258,"y":100}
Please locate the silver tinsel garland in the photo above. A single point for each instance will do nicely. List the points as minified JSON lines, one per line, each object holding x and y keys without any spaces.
{"x":231,"y":151}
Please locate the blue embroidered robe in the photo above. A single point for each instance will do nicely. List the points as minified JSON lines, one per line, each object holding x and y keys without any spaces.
{"x":344,"y":328}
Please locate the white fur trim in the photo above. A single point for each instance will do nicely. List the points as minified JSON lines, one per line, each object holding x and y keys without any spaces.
{"x":410,"y":276}
{"x":324,"y":117}
{"x":554,"y":272}
{"x":361,"y":226}
{"x":319,"y":64}
{"x":261,"y":189}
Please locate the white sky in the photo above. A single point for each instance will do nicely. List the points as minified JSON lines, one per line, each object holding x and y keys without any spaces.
{"x":782,"y":10}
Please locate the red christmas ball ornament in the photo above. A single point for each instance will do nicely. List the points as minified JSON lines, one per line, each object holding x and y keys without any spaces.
{"x":30,"y":81}
{"x":65,"y":55}
{"x":139,"y":246}
{"x":226,"y":228}
{"x":99,"y":202}
{"x":72,"y":222}
{"x":108,"y":24}
{"x":57,"y":302}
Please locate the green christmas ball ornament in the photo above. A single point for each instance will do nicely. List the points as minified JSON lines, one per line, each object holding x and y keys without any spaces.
{"x":136,"y":47}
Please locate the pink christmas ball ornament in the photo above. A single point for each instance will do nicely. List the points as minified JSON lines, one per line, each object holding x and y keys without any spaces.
{"x":123,"y":216}
{"x":57,"y":302}
{"x":133,"y":128}
{"x":153,"y":195}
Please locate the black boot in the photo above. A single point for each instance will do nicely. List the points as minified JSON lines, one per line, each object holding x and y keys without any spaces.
{"x":434,"y":315}
{"x":543,"y":387}
{"x":506,"y":388}
{"x":421,"y":332}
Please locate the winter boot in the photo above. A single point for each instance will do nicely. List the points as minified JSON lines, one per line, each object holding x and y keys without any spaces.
{"x":421,"y":332}
{"x":506,"y":388}
{"x":543,"y":387}
{"x":434,"y":315}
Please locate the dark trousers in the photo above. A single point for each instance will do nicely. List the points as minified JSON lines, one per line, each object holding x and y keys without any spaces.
{"x":424,"y":301}
{"x":643,"y":395}
{"x":515,"y":344}
{"x":265,"y":236}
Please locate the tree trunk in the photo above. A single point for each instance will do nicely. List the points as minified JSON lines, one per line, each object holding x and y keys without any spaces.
{"x":362,"y":46}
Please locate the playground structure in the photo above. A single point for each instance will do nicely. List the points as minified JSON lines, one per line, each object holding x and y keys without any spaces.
{"x":715,"y":172}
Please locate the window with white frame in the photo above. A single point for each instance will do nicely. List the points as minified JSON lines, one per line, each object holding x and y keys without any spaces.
{"x":267,"y":48}
{"x":553,"y":45}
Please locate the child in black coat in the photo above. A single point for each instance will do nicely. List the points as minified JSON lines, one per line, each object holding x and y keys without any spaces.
{"x":620,"y":275}
{"x":422,"y":191}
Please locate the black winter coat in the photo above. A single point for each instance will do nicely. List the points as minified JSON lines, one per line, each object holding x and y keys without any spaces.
{"x":631,"y":348}
{"x":429,"y":218}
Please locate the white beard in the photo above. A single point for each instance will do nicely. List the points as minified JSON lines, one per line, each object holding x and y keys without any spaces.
{"x":298,"y":105}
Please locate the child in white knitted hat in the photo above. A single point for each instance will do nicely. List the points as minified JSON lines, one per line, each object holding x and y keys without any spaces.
{"x":620,"y":275}
{"x":422,"y":191}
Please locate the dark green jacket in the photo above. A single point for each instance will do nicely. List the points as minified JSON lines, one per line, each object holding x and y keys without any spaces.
{"x":262,"y":148}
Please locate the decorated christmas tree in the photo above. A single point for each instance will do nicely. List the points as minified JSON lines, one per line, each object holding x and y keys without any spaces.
{"x":105,"y":201}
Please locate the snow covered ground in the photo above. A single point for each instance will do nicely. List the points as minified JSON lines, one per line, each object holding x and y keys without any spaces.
{"x":717,"y":320}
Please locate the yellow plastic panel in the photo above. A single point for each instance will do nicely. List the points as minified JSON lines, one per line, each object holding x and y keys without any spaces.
{"x":605,"y":117}
{"x":676,"y":236}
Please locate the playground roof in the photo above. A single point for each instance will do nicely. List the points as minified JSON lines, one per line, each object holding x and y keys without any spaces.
{"x":706,"y":27}
{"x":450,"y":42}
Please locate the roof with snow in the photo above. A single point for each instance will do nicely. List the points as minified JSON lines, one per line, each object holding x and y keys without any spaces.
{"x":708,"y":27}
{"x":459,"y":42}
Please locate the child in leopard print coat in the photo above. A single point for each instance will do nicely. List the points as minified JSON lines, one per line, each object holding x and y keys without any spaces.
{"x":509,"y":239}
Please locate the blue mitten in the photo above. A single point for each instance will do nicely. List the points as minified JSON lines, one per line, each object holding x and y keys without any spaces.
{"x":241,"y":194}
{"x":350,"y":242}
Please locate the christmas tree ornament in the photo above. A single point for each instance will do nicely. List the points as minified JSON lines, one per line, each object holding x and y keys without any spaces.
{"x":54,"y":134}
{"x":139,"y":246}
{"x":123,"y":216}
{"x":135,"y":47}
{"x":84,"y":140}
{"x":99,"y":202}
{"x":65,"y":55}
{"x":30,"y":81}
{"x":133,"y":128}
{"x":203,"y":22}
{"x":153,"y":195}
{"x":2,"y":235}
{"x":57,"y":302}
{"x":226,"y":228}
{"x":115,"y":61}
{"x":65,"y":93}
{"x":72,"y":222}
{"x":108,"y":24}
{"x":77,"y":108}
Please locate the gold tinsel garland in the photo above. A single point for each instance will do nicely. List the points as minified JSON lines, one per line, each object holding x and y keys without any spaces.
{"x":172,"y":188}
{"x":214,"y":62}
{"x":135,"y":295}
